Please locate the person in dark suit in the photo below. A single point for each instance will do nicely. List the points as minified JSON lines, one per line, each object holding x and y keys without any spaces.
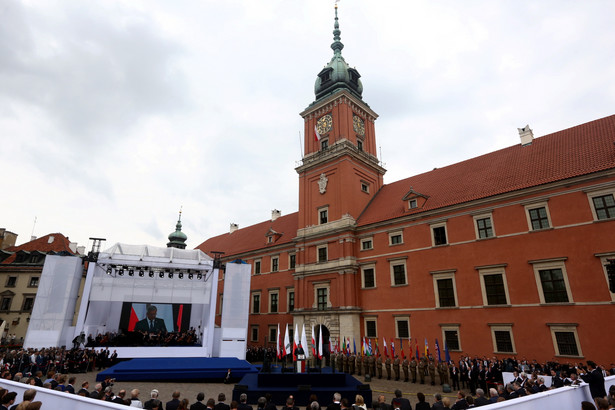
{"x":336,"y":402}
{"x":153,"y":396}
{"x":151,"y":323}
{"x":243,"y":403}
{"x":173,"y":404}
{"x":199,"y":402}
{"x":382,"y":404}
{"x":595,"y":379}
{"x":399,"y":402}
{"x":70,"y":386}
{"x":422,"y":404}
{"x":221,"y":405}
{"x":481,"y":400}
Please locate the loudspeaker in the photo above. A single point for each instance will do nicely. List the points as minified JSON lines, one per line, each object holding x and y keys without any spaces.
{"x":363,"y":387}
{"x":446,"y":388}
{"x":241,"y":387}
{"x":304,"y":387}
{"x":368,"y":378}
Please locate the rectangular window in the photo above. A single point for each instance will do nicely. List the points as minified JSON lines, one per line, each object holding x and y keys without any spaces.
{"x":566,"y":344}
{"x":365,"y":187}
{"x":273,"y":302}
{"x":323,"y":215}
{"x":322,"y":298}
{"x":254,"y":334}
{"x":257,"y":267}
{"x":292,"y":260}
{"x":403,"y":328}
{"x":28,"y":304}
{"x":553,"y":286}
{"x":451,"y":335}
{"x":322,"y":254}
{"x":446,"y":292}
{"x":324,"y":144}
{"x":360,"y":145}
{"x":366,"y":244}
{"x":274,"y":263}
{"x":604,"y":206}
{"x":369,"y":279}
{"x":5,"y":305}
{"x":439,"y":235}
{"x":370,"y":328}
{"x":399,"y":274}
{"x":33,"y":282}
{"x":11,"y":281}
{"x":291,"y":301}
{"x":495,"y":291}
{"x":484,"y":228}
{"x":539,"y":218}
{"x":256,"y":303}
{"x":396,"y":238}
{"x":503,"y":341}
{"x":412,"y":204}
{"x":273,"y":334}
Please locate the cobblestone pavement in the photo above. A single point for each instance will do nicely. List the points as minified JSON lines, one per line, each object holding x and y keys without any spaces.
{"x":190,"y":390}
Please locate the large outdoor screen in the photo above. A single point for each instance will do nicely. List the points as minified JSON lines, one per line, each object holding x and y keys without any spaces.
{"x":169,"y":317}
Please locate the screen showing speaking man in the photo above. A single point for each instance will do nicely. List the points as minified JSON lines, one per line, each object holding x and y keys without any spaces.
{"x":151,"y":323}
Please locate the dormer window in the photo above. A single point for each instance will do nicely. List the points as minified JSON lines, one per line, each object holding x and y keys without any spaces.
{"x":354,"y":76}
{"x":415,"y":199}
{"x":412,"y":204}
{"x":325,"y":75}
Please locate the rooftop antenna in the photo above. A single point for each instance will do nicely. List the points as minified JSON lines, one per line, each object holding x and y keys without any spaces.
{"x":32,"y":234}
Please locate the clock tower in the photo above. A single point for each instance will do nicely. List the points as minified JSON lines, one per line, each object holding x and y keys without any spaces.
{"x":338,"y":177}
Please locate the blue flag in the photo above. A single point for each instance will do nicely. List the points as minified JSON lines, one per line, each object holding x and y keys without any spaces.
{"x":438,"y":350}
{"x":447,"y":355}
{"x":354,"y":347}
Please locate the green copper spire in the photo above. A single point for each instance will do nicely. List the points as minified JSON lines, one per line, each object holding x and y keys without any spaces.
{"x":337,"y":45}
{"x":337,"y":75}
{"x":178,"y":239}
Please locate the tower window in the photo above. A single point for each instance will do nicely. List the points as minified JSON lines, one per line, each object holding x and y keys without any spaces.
{"x":324,"y":144}
{"x":360,"y":145}
{"x":323,"y":216}
{"x":365,"y":187}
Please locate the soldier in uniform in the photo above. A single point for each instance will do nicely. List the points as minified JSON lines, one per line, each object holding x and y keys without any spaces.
{"x":396,"y":367}
{"x":444,"y":372}
{"x":387,"y":366}
{"x":440,"y":374}
{"x":404,"y":366}
{"x":340,"y":362}
{"x":379,"y":367}
{"x":351,"y":361}
{"x":422,"y":366}
{"x":371,"y":363}
{"x":345,"y":359}
{"x":413,"y":365}
{"x":333,"y":358}
{"x":359,"y":364}
{"x":432,"y":371}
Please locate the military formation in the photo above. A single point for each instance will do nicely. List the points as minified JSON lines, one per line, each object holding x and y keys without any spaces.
{"x":413,"y":370}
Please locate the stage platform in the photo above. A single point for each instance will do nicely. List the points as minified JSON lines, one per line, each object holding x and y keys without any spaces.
{"x":179,"y":369}
{"x":301,"y":385}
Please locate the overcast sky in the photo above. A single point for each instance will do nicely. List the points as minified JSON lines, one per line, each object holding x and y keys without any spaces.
{"x":114,"y":114}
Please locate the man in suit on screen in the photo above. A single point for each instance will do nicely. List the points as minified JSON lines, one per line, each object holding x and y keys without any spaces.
{"x":151,"y":323}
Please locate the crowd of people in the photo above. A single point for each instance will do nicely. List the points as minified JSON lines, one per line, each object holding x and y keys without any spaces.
{"x":144,"y":338}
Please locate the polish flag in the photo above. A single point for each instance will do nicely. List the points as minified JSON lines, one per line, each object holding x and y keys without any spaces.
{"x":313,"y":343}
{"x":386,"y":351}
{"x":278,"y":344}
{"x":179,"y":317}
{"x":133,"y":319}
{"x":316,"y":134}
{"x":320,"y":351}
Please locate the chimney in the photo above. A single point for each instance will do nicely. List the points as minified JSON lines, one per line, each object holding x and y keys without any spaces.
{"x":81,"y":250}
{"x":73,"y":246}
{"x":526,"y":135}
{"x":234,"y":227}
{"x":50,"y":239}
{"x":275,"y":214}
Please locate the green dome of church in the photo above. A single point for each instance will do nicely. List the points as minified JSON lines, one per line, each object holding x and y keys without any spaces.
{"x":337,"y":74}
{"x":177,"y":239}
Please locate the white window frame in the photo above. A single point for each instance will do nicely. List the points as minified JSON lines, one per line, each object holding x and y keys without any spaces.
{"x":365,"y":240}
{"x":366,"y":185}
{"x":402,"y":319}
{"x":260,"y":266}
{"x":444,"y":275}
{"x":396,"y":262}
{"x":558,"y":263}
{"x":252,"y":328}
{"x":270,"y":294}
{"x":603,"y":261}
{"x":484,"y":216}
{"x":502,"y":327}
{"x":277,"y":259}
{"x":564,"y":327}
{"x":321,"y":285}
{"x":370,"y":319}
{"x":396,"y":233}
{"x":318,"y":248}
{"x":363,"y":268}
{"x":288,"y":292}
{"x":495,"y":270}
{"x":260,"y":302}
{"x":321,"y":209}
{"x":413,"y":203}
{"x":590,"y":198}
{"x":450,"y":327}
{"x":535,"y":205}
{"x":433,"y":236}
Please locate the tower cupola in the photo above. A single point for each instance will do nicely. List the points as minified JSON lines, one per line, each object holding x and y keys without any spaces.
{"x":337,"y":74}
{"x":178,"y":239}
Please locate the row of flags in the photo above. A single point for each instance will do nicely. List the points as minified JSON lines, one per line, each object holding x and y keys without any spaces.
{"x":284,"y":348}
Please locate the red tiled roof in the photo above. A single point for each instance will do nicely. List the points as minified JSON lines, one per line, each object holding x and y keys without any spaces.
{"x":60,"y":243}
{"x":576,"y":151}
{"x":253,"y":237}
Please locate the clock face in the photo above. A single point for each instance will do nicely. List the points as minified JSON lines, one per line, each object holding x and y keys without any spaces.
{"x":358,"y":125}
{"x":324,"y":124}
